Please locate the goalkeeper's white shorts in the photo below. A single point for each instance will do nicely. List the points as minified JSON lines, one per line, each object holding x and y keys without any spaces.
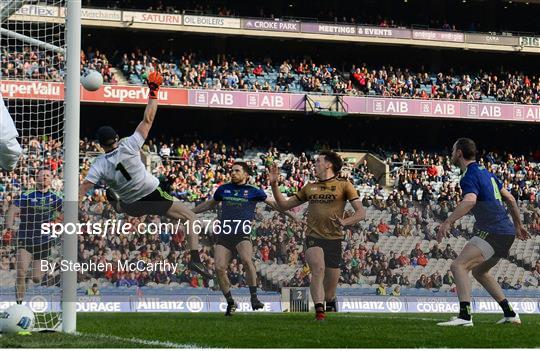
{"x":10,"y":151}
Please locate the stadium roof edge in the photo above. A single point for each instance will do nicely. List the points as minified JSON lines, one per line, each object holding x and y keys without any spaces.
{"x":281,"y":29}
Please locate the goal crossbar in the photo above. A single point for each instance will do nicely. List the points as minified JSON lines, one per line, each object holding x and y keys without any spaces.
{"x":31,"y":41}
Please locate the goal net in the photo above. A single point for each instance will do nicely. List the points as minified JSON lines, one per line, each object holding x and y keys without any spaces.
{"x":32,"y":65}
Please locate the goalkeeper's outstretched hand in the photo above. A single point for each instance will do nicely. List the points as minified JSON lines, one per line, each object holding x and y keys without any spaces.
{"x":155,"y":79}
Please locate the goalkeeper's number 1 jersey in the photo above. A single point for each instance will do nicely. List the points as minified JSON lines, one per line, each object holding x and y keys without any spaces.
{"x":123,"y":170}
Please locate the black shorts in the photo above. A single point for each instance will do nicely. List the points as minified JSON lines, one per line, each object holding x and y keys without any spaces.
{"x":157,"y":202}
{"x":500,"y":244}
{"x":230,"y":241}
{"x":39,"y":251}
{"x":331,"y":249}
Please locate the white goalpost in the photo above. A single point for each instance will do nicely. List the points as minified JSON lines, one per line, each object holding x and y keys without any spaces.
{"x":48,"y":133}
{"x":71,"y":147}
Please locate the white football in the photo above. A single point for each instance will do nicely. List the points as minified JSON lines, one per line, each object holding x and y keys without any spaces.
{"x":17,"y":318}
{"x":91,"y":80}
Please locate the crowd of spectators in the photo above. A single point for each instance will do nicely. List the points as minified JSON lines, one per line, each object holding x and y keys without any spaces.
{"x":191,"y":171}
{"x":499,"y":86}
{"x":304,"y":75}
{"x":225,"y":72}
{"x":532,"y":280}
{"x":28,"y":63}
{"x":414,"y":170}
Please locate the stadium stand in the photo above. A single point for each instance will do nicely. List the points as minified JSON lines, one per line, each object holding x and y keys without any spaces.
{"x":29,"y":65}
{"x":302,"y":75}
{"x":225,"y":72}
{"x":294,"y":75}
{"x":394,"y":246}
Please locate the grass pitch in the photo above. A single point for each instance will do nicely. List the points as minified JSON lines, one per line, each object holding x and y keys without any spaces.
{"x":290,"y":330}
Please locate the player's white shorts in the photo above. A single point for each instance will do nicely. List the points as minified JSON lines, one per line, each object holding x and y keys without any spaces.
{"x":10,"y":151}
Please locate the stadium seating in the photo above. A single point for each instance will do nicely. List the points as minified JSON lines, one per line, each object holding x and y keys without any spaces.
{"x":27,"y":65}
{"x":295,"y":76}
{"x":324,"y":78}
{"x":284,"y":264}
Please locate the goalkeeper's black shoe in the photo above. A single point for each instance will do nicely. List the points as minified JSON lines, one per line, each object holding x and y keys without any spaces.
{"x":199,"y":268}
{"x":331,"y":306}
{"x":256,"y":304}
{"x":231,"y":308}
{"x":114,"y":200}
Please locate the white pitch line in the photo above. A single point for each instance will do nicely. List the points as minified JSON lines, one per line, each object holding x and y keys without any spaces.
{"x":410,"y":318}
{"x":393,"y":317}
{"x":167,"y":344}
